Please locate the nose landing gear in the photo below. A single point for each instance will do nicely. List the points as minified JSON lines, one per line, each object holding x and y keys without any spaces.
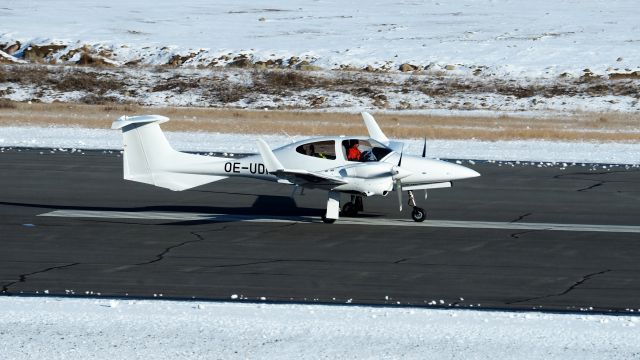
{"x":417,"y":214}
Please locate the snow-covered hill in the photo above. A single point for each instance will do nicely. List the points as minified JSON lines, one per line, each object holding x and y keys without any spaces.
{"x":508,"y":38}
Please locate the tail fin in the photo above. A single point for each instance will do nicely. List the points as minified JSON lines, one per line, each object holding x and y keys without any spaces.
{"x":374,"y":130}
{"x":148,"y":157}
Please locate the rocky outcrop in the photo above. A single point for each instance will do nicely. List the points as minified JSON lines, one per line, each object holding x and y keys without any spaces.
{"x":624,"y":75}
{"x":13,"y":48}
{"x":304,"y":65}
{"x":41,"y":53}
{"x":92,"y":60}
{"x":241,"y":61}
{"x":8,"y":59}
{"x":406,"y":67}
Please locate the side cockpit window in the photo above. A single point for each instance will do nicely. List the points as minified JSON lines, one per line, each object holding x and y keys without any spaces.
{"x":364,"y":150}
{"x":319,"y":149}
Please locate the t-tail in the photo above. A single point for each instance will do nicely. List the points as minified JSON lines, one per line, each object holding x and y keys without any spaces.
{"x":148,"y":157}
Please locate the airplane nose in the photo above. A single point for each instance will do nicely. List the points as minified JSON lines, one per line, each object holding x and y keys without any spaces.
{"x":460,"y":172}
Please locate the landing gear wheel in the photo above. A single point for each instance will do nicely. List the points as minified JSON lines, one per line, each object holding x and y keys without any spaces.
{"x":358,"y":202}
{"x":327,"y":220}
{"x":349,"y":209}
{"x":418,"y":214}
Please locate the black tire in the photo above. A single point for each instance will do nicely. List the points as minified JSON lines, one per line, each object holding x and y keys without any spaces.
{"x":418,"y":214}
{"x":349,"y":209}
{"x":327,"y":220}
{"x":359,"y":206}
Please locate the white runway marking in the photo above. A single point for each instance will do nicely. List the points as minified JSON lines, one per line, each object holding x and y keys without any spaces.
{"x":156,"y":215}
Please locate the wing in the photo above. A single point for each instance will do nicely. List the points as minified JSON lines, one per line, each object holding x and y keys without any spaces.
{"x":308,"y":179}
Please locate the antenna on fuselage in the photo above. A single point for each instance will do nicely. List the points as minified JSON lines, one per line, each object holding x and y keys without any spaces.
{"x":289,"y":136}
{"x":424,"y":148}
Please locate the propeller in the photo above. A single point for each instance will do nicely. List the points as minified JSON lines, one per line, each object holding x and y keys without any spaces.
{"x":424,"y":154}
{"x":399,"y":192}
{"x":398,"y":171}
{"x":398,"y":183}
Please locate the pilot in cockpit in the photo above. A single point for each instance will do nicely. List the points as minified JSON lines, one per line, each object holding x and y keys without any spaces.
{"x":353,"y":153}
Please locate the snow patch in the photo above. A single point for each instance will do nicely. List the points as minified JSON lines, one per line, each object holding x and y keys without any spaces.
{"x":53,"y":328}
{"x":514,"y":150}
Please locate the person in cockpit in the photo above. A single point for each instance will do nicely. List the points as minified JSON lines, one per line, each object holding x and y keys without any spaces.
{"x":354,"y":154}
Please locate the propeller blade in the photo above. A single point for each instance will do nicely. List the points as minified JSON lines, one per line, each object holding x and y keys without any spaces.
{"x":424,"y":148}
{"x":399,"y":191}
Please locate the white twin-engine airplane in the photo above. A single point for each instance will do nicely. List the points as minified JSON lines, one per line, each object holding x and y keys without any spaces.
{"x":358,"y":166}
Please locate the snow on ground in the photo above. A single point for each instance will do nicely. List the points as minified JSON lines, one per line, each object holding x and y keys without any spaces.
{"x":510,"y":39}
{"x":55,"y":328}
{"x":491,"y":55}
{"x":514,"y":38}
{"x":514,"y":150}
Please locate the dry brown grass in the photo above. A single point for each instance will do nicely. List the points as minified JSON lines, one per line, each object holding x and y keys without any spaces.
{"x":583,"y":126}
{"x":8,"y":104}
{"x":88,"y":81}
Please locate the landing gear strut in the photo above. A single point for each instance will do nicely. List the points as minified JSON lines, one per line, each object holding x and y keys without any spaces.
{"x":417,"y":214}
{"x":353,"y":207}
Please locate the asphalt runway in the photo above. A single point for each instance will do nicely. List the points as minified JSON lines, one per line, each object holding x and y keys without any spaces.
{"x":519,"y":237}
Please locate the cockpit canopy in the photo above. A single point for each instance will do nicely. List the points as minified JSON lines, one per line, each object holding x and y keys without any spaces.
{"x":352,"y":149}
{"x":322,"y":149}
{"x":364,"y":150}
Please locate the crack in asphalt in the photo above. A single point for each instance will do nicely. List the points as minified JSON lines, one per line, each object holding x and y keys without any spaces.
{"x":281,"y":227}
{"x":252,"y":263}
{"x":23,"y":277}
{"x":200,"y":238}
{"x":592,"y":186}
{"x":521,"y":217}
{"x":598,"y":182}
{"x":568,"y":290}
{"x":516,"y":235}
{"x":161,"y":256}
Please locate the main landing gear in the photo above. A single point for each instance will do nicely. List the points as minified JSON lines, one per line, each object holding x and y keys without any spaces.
{"x":333,"y":207}
{"x":352,"y":207}
{"x":417,"y":214}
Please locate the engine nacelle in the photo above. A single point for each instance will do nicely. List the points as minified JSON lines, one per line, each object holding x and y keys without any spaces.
{"x":367,"y":170}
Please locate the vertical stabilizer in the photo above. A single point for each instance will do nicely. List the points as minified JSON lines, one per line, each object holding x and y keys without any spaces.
{"x":374,"y":130}
{"x":150,"y":159}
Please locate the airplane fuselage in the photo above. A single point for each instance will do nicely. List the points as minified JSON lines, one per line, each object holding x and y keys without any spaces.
{"x":419,"y":170}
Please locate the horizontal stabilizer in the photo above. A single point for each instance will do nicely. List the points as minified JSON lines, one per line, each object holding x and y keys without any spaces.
{"x":178,"y":181}
{"x":141,"y":119}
